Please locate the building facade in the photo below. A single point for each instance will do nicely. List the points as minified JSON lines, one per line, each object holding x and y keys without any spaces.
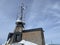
{"x":33,"y":35}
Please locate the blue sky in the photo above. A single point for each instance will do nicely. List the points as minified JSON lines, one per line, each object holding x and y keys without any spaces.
{"x":38,"y":13}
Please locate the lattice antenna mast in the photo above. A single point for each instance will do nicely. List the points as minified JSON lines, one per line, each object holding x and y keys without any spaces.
{"x":22,"y":11}
{"x":20,"y":20}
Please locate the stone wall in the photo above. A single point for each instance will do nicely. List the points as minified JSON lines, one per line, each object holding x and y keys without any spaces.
{"x":34,"y":36}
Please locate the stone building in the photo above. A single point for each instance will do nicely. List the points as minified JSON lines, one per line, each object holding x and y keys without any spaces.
{"x":33,"y":35}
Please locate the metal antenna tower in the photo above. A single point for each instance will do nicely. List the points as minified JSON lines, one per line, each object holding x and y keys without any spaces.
{"x":22,"y":11}
{"x":20,"y":15}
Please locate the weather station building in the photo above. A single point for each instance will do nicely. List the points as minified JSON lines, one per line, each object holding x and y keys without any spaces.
{"x":32,"y":35}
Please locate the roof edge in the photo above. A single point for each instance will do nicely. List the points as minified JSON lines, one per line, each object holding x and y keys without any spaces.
{"x":35,"y":29}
